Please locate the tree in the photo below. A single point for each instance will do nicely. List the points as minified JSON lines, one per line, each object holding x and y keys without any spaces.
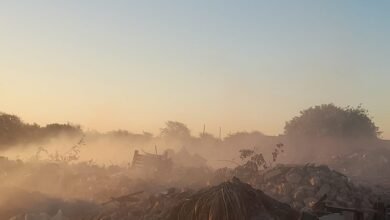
{"x":328,"y":120}
{"x":56,"y":129}
{"x":175,"y":130}
{"x":11,"y":127}
{"x":14,"y":131}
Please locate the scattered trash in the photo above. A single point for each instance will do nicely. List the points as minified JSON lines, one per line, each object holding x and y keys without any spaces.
{"x":232,"y":200}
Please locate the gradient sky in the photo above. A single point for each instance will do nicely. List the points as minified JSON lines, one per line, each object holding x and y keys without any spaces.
{"x":241,"y":65}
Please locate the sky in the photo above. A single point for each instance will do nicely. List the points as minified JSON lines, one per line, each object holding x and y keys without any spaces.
{"x":238,"y":65}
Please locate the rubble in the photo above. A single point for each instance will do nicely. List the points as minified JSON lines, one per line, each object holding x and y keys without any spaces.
{"x":40,"y":216}
{"x":368,"y":166}
{"x":151,"y":164}
{"x":276,"y":192}
{"x":302,"y":185}
{"x":232,"y":200}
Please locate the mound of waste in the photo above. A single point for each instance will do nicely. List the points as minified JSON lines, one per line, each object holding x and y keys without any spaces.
{"x":301,"y":186}
{"x":18,"y":204}
{"x":232,"y":200}
{"x":40,"y":216}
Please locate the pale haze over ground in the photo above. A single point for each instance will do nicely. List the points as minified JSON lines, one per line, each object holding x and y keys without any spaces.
{"x":239,"y":65}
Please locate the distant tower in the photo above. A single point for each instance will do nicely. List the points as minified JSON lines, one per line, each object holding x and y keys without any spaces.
{"x":204,"y":129}
{"x":220,"y":133}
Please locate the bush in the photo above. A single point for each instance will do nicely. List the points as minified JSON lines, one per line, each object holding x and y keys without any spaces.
{"x":328,"y":120}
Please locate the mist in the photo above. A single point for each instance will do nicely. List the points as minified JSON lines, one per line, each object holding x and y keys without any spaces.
{"x":68,"y":168}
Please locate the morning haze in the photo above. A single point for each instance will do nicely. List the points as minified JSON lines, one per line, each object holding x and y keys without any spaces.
{"x":242,"y":66}
{"x":177,"y":110}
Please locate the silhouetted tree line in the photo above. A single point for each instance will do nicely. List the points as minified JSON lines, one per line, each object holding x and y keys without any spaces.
{"x":14,"y":131}
{"x":326,"y":120}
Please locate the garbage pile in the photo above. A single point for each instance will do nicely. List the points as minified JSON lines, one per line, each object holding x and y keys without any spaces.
{"x":287,"y":188}
{"x":232,"y":200}
{"x":40,"y":216}
{"x":370,"y":167}
{"x":302,"y":185}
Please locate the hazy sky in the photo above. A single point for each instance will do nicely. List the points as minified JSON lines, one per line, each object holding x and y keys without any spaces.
{"x":242,"y":65}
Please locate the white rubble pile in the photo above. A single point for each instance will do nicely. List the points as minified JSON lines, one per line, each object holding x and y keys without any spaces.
{"x":301,"y":186}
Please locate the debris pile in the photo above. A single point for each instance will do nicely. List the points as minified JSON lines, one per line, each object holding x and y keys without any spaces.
{"x":287,"y":190}
{"x":40,"y":216}
{"x":19,"y":204}
{"x":370,"y":167}
{"x":232,"y":200}
{"x":301,"y":186}
{"x":151,"y":163}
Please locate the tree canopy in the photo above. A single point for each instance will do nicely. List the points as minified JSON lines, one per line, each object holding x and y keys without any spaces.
{"x":14,"y":131}
{"x":174,"y":129}
{"x":328,"y":120}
